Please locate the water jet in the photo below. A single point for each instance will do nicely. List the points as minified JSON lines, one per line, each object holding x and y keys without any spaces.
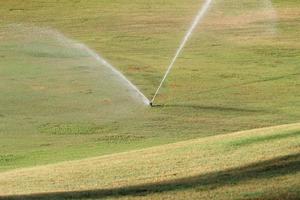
{"x":196,"y":21}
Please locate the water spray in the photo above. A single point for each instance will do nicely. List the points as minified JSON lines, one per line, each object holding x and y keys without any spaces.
{"x":187,"y":36}
{"x":137,"y":93}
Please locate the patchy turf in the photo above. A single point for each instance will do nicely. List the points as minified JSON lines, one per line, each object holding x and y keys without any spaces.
{"x":240,"y":71}
{"x":206,"y":168}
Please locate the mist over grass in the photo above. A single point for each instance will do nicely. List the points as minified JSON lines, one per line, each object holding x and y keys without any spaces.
{"x":239,"y":71}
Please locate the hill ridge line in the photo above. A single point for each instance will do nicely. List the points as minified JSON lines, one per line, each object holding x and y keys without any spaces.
{"x":155,"y":147}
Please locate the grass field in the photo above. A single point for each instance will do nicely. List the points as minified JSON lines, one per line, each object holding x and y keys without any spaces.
{"x":239,"y":71}
{"x":256,"y":164}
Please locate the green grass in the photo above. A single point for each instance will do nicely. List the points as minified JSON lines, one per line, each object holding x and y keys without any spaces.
{"x":235,"y":74}
{"x":206,"y":168}
{"x":255,"y":140}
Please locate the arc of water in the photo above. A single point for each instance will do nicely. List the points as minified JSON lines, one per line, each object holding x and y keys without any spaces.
{"x":67,"y":41}
{"x":115,"y":71}
{"x":118,"y":73}
{"x":196,"y":21}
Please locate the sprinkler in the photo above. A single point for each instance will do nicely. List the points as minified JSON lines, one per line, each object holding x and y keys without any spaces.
{"x":151,"y":103}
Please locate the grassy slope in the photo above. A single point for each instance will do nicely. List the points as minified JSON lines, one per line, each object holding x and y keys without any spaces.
{"x":244,"y":165}
{"x":232,"y":76}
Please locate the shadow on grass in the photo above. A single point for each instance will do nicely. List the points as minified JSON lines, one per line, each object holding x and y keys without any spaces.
{"x":267,"y":169}
{"x":260,"y":139}
{"x":267,"y":79}
{"x":212,"y":108}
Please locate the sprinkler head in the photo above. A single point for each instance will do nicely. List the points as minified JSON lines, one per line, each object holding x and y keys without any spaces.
{"x":151,"y":103}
